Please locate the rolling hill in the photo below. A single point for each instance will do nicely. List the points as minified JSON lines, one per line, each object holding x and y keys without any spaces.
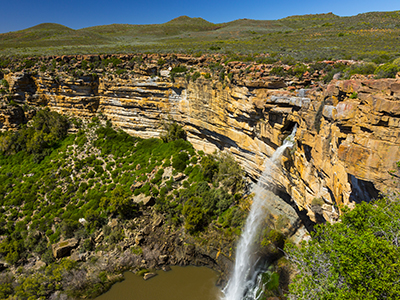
{"x":307,"y":37}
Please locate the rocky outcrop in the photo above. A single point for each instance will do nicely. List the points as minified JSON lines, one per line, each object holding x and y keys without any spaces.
{"x":11,"y":116}
{"x":145,"y":200}
{"x":64,"y":248}
{"x":347,"y":139}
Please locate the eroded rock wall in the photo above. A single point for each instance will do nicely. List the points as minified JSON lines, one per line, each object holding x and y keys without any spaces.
{"x":347,"y":139}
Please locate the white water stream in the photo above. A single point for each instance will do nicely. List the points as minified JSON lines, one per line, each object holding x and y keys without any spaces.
{"x":245,"y":271}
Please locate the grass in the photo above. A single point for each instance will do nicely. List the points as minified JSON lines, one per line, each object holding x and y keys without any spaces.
{"x":368,"y":36}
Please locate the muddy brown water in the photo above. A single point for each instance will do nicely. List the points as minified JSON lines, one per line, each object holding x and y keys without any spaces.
{"x":181,"y":283}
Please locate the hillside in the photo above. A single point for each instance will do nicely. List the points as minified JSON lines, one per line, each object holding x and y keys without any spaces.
{"x":102,"y":191}
{"x":365,"y":36}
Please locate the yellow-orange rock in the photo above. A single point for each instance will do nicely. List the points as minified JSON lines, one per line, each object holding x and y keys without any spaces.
{"x":346,"y":161}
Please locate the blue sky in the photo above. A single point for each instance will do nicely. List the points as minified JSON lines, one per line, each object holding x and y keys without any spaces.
{"x":21,"y":14}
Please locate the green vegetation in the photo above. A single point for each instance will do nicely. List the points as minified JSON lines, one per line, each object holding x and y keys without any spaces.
{"x":47,"y":129}
{"x":369,"y":37}
{"x":388,"y":70}
{"x":357,"y":258}
{"x":50,"y":181}
{"x":209,"y":193}
{"x":173,"y":132}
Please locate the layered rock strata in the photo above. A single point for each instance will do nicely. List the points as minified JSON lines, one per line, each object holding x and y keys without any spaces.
{"x":347,"y":140}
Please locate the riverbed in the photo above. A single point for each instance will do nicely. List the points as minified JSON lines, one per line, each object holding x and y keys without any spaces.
{"x":181,"y":283}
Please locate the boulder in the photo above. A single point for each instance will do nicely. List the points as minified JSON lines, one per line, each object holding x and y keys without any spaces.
{"x":147,"y":276}
{"x":76,"y":256}
{"x":166,"y":268}
{"x":64,"y":248}
{"x":3,"y":266}
{"x":99,"y":238}
{"x":146,"y":200}
{"x":136,"y":185}
{"x":39,"y":264}
{"x":113,"y":223}
{"x":162,"y":259}
{"x":139,"y":239}
{"x":179,"y":176}
{"x":164,"y":73}
{"x":157,"y":222}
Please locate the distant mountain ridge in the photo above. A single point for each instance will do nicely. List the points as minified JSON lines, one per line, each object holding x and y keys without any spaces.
{"x":310,"y":35}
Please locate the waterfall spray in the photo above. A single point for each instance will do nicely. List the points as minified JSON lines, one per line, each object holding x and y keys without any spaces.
{"x":245,"y":273}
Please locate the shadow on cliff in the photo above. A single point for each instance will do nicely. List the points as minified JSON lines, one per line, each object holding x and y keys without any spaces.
{"x":361,"y":190}
{"x":217,"y":139}
{"x":302,"y":214}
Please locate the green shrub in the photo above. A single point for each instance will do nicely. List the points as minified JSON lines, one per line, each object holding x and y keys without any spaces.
{"x":298,"y":70}
{"x":356,"y":258}
{"x":46,"y":130}
{"x":174,"y":132}
{"x":195,"y":76}
{"x":230,"y":174}
{"x":4,"y":83}
{"x":120,"y":71}
{"x":161,"y":62}
{"x":270,"y":281}
{"x":277,"y":71}
{"x":154,"y":191}
{"x":209,"y":167}
{"x":362,"y":68}
{"x":180,"y":161}
{"x":194,"y":217}
{"x":113,"y":60}
{"x":177,"y":71}
{"x":388,"y":70}
{"x":353,"y":96}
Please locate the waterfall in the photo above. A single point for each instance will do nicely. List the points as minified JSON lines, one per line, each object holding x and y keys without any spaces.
{"x":245,"y":269}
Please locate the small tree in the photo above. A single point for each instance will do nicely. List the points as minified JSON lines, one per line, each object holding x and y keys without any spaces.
{"x":120,"y":202}
{"x":357,"y":258}
{"x":173,"y":132}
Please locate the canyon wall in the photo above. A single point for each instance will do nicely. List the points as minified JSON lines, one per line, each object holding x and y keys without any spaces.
{"x":347,"y":140}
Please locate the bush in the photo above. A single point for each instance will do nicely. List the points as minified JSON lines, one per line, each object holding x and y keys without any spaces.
{"x":194,"y":216}
{"x":180,"y":161}
{"x":363,"y":69}
{"x":230,"y":174}
{"x":174,"y":132}
{"x":195,"y":76}
{"x":4,"y":83}
{"x":120,"y":71}
{"x":161,"y":62}
{"x":298,"y":70}
{"x":177,"y":71}
{"x":278,"y":71}
{"x":387,"y":71}
{"x":68,"y":227}
{"x":356,"y":258}
{"x":46,"y":130}
{"x":209,"y":167}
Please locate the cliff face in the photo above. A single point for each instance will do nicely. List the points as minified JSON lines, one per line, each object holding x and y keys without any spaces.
{"x":347,"y":140}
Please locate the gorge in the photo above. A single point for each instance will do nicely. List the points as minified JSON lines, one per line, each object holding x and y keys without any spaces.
{"x":346,"y":144}
{"x":345,"y":128}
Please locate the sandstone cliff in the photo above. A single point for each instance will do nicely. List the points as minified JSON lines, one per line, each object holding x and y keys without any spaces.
{"x":347,"y":139}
